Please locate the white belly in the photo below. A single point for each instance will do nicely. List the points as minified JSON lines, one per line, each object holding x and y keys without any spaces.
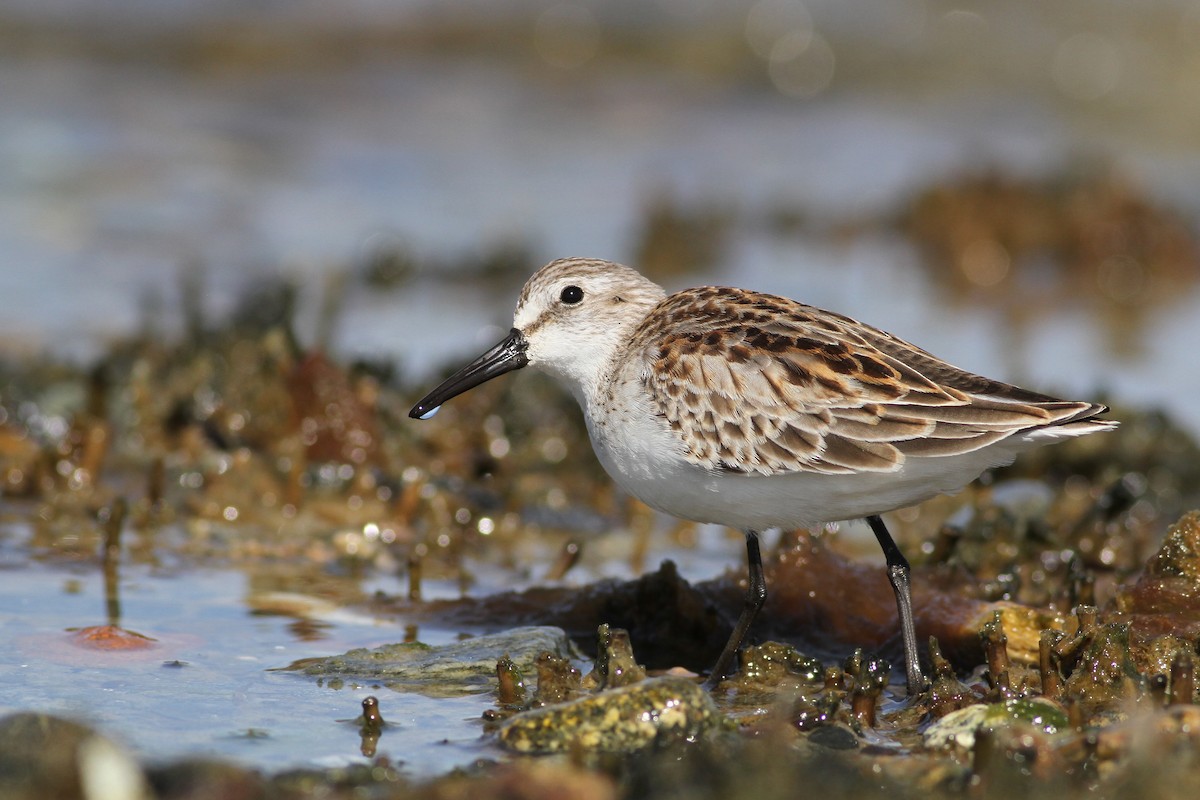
{"x":646,"y":459}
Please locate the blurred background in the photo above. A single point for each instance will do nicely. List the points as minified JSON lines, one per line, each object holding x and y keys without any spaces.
{"x":1016,"y":187}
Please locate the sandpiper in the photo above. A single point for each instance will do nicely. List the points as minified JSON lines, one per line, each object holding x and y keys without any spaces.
{"x":744,"y":409}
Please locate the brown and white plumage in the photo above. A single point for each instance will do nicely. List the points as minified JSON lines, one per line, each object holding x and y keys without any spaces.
{"x":750,"y":410}
{"x":760,"y":384}
{"x":753,"y":411}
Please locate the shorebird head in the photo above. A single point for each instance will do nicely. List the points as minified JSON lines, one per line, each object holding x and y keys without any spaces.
{"x":571,"y":317}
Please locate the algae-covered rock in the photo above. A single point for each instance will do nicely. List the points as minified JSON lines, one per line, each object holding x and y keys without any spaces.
{"x":615,"y":664}
{"x":456,"y":668}
{"x":959,"y":729}
{"x":772,"y":663}
{"x":1170,"y":584}
{"x":1106,"y":673}
{"x":1179,"y":555}
{"x":1022,"y":627}
{"x":1044,"y":715}
{"x":620,"y":720}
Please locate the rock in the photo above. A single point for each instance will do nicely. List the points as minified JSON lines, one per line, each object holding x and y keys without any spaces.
{"x":446,"y":670}
{"x":620,"y":720}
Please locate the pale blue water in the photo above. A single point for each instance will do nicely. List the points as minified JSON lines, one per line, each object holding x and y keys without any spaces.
{"x":207,"y":688}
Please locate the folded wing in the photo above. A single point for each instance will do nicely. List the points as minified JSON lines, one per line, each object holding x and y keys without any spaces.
{"x":760,"y":384}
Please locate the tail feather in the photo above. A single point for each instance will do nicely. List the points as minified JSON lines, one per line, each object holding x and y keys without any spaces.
{"x":1080,"y":423}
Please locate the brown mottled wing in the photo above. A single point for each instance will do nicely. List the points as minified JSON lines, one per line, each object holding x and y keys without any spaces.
{"x":788,"y":387}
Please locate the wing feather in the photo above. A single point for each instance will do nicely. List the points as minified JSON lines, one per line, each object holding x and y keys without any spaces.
{"x":760,"y":384}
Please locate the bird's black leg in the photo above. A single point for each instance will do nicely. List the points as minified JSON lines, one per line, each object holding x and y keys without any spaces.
{"x":897,"y":567}
{"x":756,"y":595}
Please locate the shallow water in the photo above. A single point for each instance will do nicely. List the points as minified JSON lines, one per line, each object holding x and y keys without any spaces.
{"x":207,"y":688}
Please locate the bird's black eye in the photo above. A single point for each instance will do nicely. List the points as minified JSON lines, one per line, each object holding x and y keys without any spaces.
{"x":571,"y":295}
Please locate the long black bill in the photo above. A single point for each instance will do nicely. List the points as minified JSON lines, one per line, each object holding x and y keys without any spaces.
{"x":506,"y":356}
